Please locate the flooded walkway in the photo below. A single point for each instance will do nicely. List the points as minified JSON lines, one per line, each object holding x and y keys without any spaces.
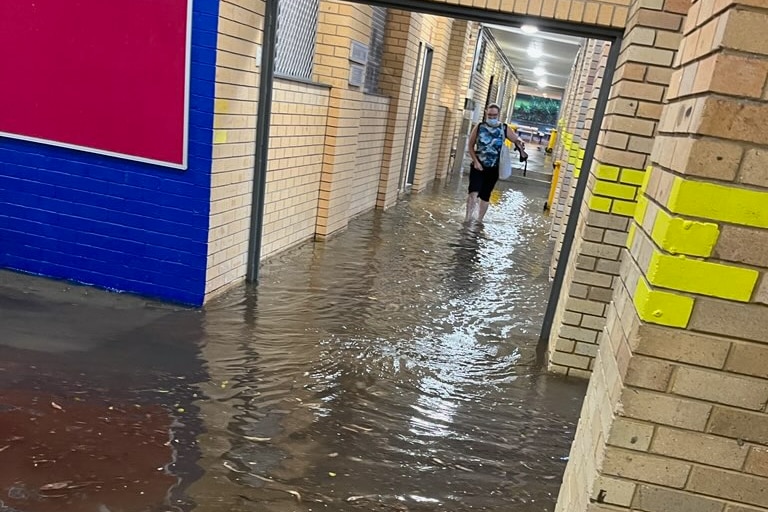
{"x":391,"y":368}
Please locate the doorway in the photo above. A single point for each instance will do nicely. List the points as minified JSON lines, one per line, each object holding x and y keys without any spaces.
{"x":413,"y":144}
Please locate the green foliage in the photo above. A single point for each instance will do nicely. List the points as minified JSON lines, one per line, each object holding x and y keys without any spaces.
{"x":536,"y":110}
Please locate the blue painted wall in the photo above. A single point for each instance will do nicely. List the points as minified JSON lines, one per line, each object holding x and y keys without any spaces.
{"x":110,"y":222}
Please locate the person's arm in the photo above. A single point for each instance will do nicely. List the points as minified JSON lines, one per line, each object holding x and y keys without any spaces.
{"x":511,"y":135}
{"x":472,"y":141}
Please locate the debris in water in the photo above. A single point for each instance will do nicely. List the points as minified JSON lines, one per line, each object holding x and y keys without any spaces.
{"x":56,"y":486}
{"x":331,"y":474}
{"x":295,"y":494}
{"x":233,"y":468}
{"x":258,"y":439}
{"x":262,"y":478}
{"x":56,"y":406}
{"x":364,"y":429}
{"x":358,"y":498}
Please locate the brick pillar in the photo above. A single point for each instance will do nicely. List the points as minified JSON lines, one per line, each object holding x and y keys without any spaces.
{"x":621,"y":157}
{"x":675,"y":416}
{"x":339,"y":24}
{"x":565,"y":183}
{"x":454,"y":87}
{"x":401,"y":46}
{"x":575,"y":134}
{"x":435,"y":31}
{"x":575,"y":340}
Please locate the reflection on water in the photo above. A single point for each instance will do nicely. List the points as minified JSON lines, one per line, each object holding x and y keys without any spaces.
{"x":391,"y":368}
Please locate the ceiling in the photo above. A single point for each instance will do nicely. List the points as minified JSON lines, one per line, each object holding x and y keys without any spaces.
{"x":558,"y":54}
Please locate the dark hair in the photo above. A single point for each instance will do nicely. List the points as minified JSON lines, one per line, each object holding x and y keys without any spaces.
{"x":493,"y":105}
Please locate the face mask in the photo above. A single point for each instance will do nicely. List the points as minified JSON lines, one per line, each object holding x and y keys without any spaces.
{"x":493,"y":123}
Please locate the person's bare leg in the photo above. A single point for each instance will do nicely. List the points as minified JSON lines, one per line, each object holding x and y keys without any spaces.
{"x":471,"y":206}
{"x":483,"y":209}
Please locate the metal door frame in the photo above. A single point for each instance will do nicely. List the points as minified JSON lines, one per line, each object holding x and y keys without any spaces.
{"x":421,"y":106}
{"x":405,"y":159}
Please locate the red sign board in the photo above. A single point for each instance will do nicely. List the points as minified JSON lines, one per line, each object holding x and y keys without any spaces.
{"x":104,"y":76}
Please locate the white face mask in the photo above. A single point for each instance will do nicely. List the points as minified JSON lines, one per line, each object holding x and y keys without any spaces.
{"x":493,"y":123}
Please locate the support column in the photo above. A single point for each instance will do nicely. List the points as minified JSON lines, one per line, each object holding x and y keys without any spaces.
{"x":675,"y":416}
{"x":571,"y":338}
{"x":621,"y":157}
{"x":561,"y":154}
{"x":401,"y":46}
{"x":575,"y":134}
{"x":435,"y":32}
{"x":454,"y":88}
{"x":339,"y":24}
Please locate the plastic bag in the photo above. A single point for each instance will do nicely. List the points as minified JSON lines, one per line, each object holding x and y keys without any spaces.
{"x":505,"y":162}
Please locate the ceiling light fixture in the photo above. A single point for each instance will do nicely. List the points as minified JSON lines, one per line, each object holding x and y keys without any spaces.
{"x":542,"y":84}
{"x":534,"y":52}
{"x":529,"y":29}
{"x":539,"y":71}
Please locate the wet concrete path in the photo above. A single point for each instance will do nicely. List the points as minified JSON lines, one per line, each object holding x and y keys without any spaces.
{"x":391,"y":368}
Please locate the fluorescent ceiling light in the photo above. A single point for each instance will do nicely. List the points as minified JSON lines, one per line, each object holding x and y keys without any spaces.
{"x":529,"y":29}
{"x":539,"y":71}
{"x":542,"y":84}
{"x":534,"y":52}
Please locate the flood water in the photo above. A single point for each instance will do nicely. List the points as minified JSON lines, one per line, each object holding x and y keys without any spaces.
{"x":391,"y":368}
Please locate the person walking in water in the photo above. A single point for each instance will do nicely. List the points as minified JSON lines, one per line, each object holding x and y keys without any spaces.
{"x":485,"y":147}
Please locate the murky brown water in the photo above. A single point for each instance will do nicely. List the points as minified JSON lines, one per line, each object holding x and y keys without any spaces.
{"x":391,"y":368}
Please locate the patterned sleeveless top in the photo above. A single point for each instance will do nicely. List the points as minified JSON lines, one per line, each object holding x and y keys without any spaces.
{"x":489,"y":141}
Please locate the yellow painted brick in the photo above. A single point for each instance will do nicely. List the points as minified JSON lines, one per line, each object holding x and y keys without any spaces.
{"x":719,"y":202}
{"x":600,"y":204}
{"x":607,"y":172}
{"x":677,"y":235}
{"x":702,"y":277}
{"x":641,"y":209}
{"x":631,"y":235}
{"x":660,"y":307}
{"x":617,"y":190}
{"x":624,"y":208}
{"x":219,"y":136}
{"x":646,"y":179}
{"x":221,"y":106}
{"x":632,"y":176}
